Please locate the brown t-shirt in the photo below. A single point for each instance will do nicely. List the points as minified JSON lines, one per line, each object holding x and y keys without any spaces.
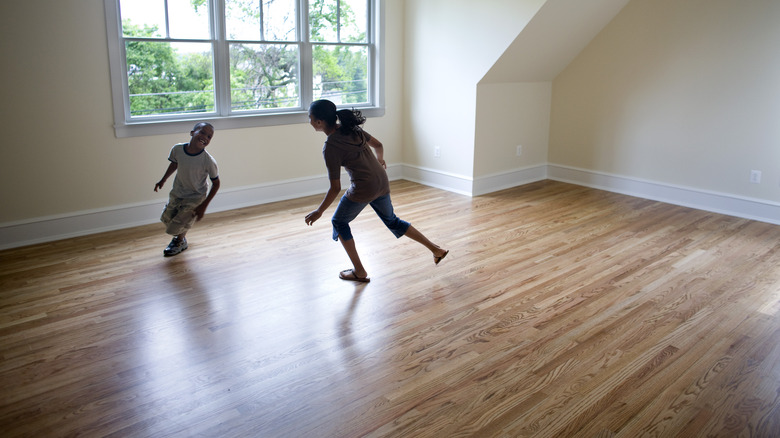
{"x":368,"y":177}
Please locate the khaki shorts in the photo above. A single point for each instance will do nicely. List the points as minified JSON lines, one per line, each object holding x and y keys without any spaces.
{"x":179,"y":214}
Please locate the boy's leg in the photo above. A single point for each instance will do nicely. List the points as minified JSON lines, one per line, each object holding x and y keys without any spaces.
{"x":169,"y":211}
{"x":184,"y":216}
{"x":177,"y":245}
{"x":179,"y":216}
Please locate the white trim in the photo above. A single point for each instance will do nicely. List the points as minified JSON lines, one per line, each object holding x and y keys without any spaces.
{"x":85,"y":222}
{"x":160,"y":127}
{"x":500,"y":181}
{"x":222,"y":117}
{"x":441,"y":180}
{"x":50,"y":228}
{"x":732,"y":205}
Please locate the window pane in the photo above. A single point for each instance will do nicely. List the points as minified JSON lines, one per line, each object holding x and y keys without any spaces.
{"x":323,"y":20}
{"x":353,"y":21}
{"x":143,"y":18}
{"x":167,"y":50}
{"x":263,"y":76}
{"x":279,"y":20}
{"x":242,"y":19}
{"x":188,"y":21}
{"x":341,"y":73}
{"x":165,"y":78}
{"x":343,"y":21}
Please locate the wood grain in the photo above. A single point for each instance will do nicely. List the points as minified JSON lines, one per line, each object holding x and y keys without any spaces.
{"x":561,"y":311}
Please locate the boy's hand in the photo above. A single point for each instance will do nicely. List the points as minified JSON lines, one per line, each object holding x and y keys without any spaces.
{"x":158,"y":185}
{"x":199,"y":212}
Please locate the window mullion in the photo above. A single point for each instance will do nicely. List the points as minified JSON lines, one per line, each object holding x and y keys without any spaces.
{"x":305,"y":63}
{"x":262,"y":22}
{"x":338,"y":20}
{"x":221,"y":58}
{"x":167,"y":21}
{"x":372,"y":39}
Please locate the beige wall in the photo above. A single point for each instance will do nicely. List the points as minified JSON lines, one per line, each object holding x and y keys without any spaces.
{"x":675,"y":92}
{"x":685,"y":93}
{"x":450,"y":45}
{"x":511,"y":115}
{"x":514,"y":96}
{"x":60,"y":155}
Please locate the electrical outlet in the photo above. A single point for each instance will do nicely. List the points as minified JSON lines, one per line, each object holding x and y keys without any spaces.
{"x":755,"y":177}
{"x":436,"y":152}
{"x":519,"y":150}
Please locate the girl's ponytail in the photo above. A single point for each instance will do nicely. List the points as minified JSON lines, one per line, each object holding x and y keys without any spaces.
{"x":350,"y":120}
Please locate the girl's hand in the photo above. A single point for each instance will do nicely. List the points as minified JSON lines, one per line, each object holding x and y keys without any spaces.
{"x":382,"y":162}
{"x":312,"y":217}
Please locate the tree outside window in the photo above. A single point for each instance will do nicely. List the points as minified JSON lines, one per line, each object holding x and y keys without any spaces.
{"x":193,"y":58}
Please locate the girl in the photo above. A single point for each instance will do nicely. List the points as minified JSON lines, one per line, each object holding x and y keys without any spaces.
{"x":347,"y":145}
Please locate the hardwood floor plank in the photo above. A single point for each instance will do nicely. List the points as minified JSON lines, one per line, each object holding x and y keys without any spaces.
{"x":560,"y":311}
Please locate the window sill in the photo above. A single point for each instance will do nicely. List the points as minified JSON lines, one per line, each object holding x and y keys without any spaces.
{"x":162,"y":127}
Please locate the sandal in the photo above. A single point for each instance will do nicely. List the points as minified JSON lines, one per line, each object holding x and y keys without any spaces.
{"x":436,"y":260}
{"x":349,"y":274}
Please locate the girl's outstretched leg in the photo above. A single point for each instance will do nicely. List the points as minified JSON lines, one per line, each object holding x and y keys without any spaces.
{"x":438,"y":252}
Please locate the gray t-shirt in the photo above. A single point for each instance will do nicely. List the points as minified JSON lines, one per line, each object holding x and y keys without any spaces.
{"x":368,"y":177}
{"x":192,"y":172}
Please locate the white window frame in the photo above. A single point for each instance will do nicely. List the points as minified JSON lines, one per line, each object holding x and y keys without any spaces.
{"x":124,"y":126}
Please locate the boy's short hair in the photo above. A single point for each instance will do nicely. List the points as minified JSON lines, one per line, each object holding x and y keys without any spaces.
{"x":200,"y":124}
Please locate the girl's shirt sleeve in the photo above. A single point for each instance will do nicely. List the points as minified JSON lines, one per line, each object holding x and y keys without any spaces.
{"x":332,"y":162}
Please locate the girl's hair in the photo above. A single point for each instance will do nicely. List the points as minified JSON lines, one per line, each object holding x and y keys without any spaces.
{"x":350,"y":120}
{"x":326,"y":111}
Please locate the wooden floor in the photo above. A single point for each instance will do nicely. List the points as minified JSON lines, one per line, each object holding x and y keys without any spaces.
{"x":561,"y":311}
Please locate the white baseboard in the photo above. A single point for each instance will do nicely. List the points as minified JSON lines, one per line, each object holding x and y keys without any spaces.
{"x":46,"y":229}
{"x":441,"y":180}
{"x":50,"y":228}
{"x":500,"y":181}
{"x":755,"y":209}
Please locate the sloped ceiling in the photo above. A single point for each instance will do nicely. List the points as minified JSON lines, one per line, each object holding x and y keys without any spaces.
{"x":552,"y":39}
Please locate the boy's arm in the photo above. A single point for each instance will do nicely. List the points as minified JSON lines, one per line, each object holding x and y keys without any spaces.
{"x":168,"y":172}
{"x":201,"y":209}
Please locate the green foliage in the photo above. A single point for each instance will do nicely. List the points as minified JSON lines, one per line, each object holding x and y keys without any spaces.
{"x":342,"y":71}
{"x":323,"y":18}
{"x":197,"y":4}
{"x":263,"y":76}
{"x":161,"y":80}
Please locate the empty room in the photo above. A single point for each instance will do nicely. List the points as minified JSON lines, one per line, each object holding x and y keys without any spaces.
{"x":593,"y":189}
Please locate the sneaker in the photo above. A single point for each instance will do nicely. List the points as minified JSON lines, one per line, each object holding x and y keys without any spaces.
{"x":176,"y":246}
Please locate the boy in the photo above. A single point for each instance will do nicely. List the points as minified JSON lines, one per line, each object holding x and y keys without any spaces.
{"x":190,"y":195}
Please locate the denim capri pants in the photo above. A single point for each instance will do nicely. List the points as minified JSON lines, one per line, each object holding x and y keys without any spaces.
{"x":348,"y":210}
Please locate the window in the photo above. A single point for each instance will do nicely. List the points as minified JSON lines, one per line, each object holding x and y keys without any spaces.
{"x":239,"y":63}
